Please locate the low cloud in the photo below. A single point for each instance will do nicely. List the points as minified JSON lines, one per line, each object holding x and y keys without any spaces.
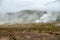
{"x":17,"y":5}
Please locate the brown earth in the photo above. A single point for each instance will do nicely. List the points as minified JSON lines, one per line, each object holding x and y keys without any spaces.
{"x":34,"y":31}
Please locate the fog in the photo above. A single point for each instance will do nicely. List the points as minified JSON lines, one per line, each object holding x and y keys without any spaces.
{"x":50,"y":11}
{"x":17,"y":5}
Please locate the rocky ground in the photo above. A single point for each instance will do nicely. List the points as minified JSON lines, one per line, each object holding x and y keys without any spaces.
{"x":34,"y":31}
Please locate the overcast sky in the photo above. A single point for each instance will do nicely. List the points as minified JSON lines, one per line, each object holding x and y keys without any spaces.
{"x":17,"y":5}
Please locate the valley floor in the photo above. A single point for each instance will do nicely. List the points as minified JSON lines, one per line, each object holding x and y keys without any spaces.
{"x":32,"y":31}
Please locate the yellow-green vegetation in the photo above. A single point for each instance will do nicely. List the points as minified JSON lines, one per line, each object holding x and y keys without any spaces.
{"x":33,"y":29}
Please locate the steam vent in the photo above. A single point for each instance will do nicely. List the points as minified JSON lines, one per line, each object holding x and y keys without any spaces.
{"x":53,"y":12}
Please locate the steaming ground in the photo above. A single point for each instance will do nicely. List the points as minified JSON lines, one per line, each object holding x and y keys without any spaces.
{"x":10,"y":8}
{"x":29,"y":16}
{"x":35,"y":30}
{"x":24,"y":16}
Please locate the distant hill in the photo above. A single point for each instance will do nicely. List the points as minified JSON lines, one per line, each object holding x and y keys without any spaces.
{"x":24,"y":16}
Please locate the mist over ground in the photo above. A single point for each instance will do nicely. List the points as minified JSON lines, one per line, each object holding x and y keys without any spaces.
{"x":22,"y":11}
